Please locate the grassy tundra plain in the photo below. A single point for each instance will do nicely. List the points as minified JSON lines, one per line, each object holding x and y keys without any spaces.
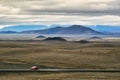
{"x":56,"y":54}
{"x":60,"y":76}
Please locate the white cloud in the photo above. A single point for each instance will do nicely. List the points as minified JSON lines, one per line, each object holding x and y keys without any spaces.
{"x":8,"y":10}
{"x":82,"y":12}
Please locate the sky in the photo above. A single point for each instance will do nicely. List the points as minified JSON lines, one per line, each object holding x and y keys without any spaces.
{"x":82,"y":12}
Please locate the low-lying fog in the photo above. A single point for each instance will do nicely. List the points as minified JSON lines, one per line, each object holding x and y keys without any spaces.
{"x":33,"y":36}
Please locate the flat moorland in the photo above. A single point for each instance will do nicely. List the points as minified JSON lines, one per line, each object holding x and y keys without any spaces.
{"x":50,"y":54}
{"x":60,"y":76}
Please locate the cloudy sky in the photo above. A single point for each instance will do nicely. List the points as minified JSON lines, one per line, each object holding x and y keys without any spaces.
{"x":83,"y":12}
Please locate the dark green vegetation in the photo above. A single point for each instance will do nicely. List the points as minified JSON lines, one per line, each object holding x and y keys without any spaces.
{"x":47,"y":54}
{"x":83,"y":41}
{"x":40,"y":36}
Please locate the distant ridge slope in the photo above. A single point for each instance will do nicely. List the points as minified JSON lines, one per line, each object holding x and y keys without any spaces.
{"x":7,"y":32}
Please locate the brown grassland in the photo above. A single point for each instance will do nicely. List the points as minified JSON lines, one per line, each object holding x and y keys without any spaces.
{"x":50,"y":54}
{"x":60,"y":76}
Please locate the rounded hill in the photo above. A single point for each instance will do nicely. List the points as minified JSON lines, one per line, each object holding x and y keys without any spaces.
{"x":54,"y":39}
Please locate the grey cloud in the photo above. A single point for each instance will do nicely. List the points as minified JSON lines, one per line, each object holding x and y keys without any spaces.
{"x":112,"y":9}
{"x":64,"y":7}
{"x":72,"y":12}
{"x":36,"y":10}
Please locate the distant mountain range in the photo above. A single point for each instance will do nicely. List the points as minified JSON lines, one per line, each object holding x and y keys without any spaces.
{"x":71,"y":30}
{"x":61,"y":29}
{"x":19,"y":28}
{"x":106,"y":28}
